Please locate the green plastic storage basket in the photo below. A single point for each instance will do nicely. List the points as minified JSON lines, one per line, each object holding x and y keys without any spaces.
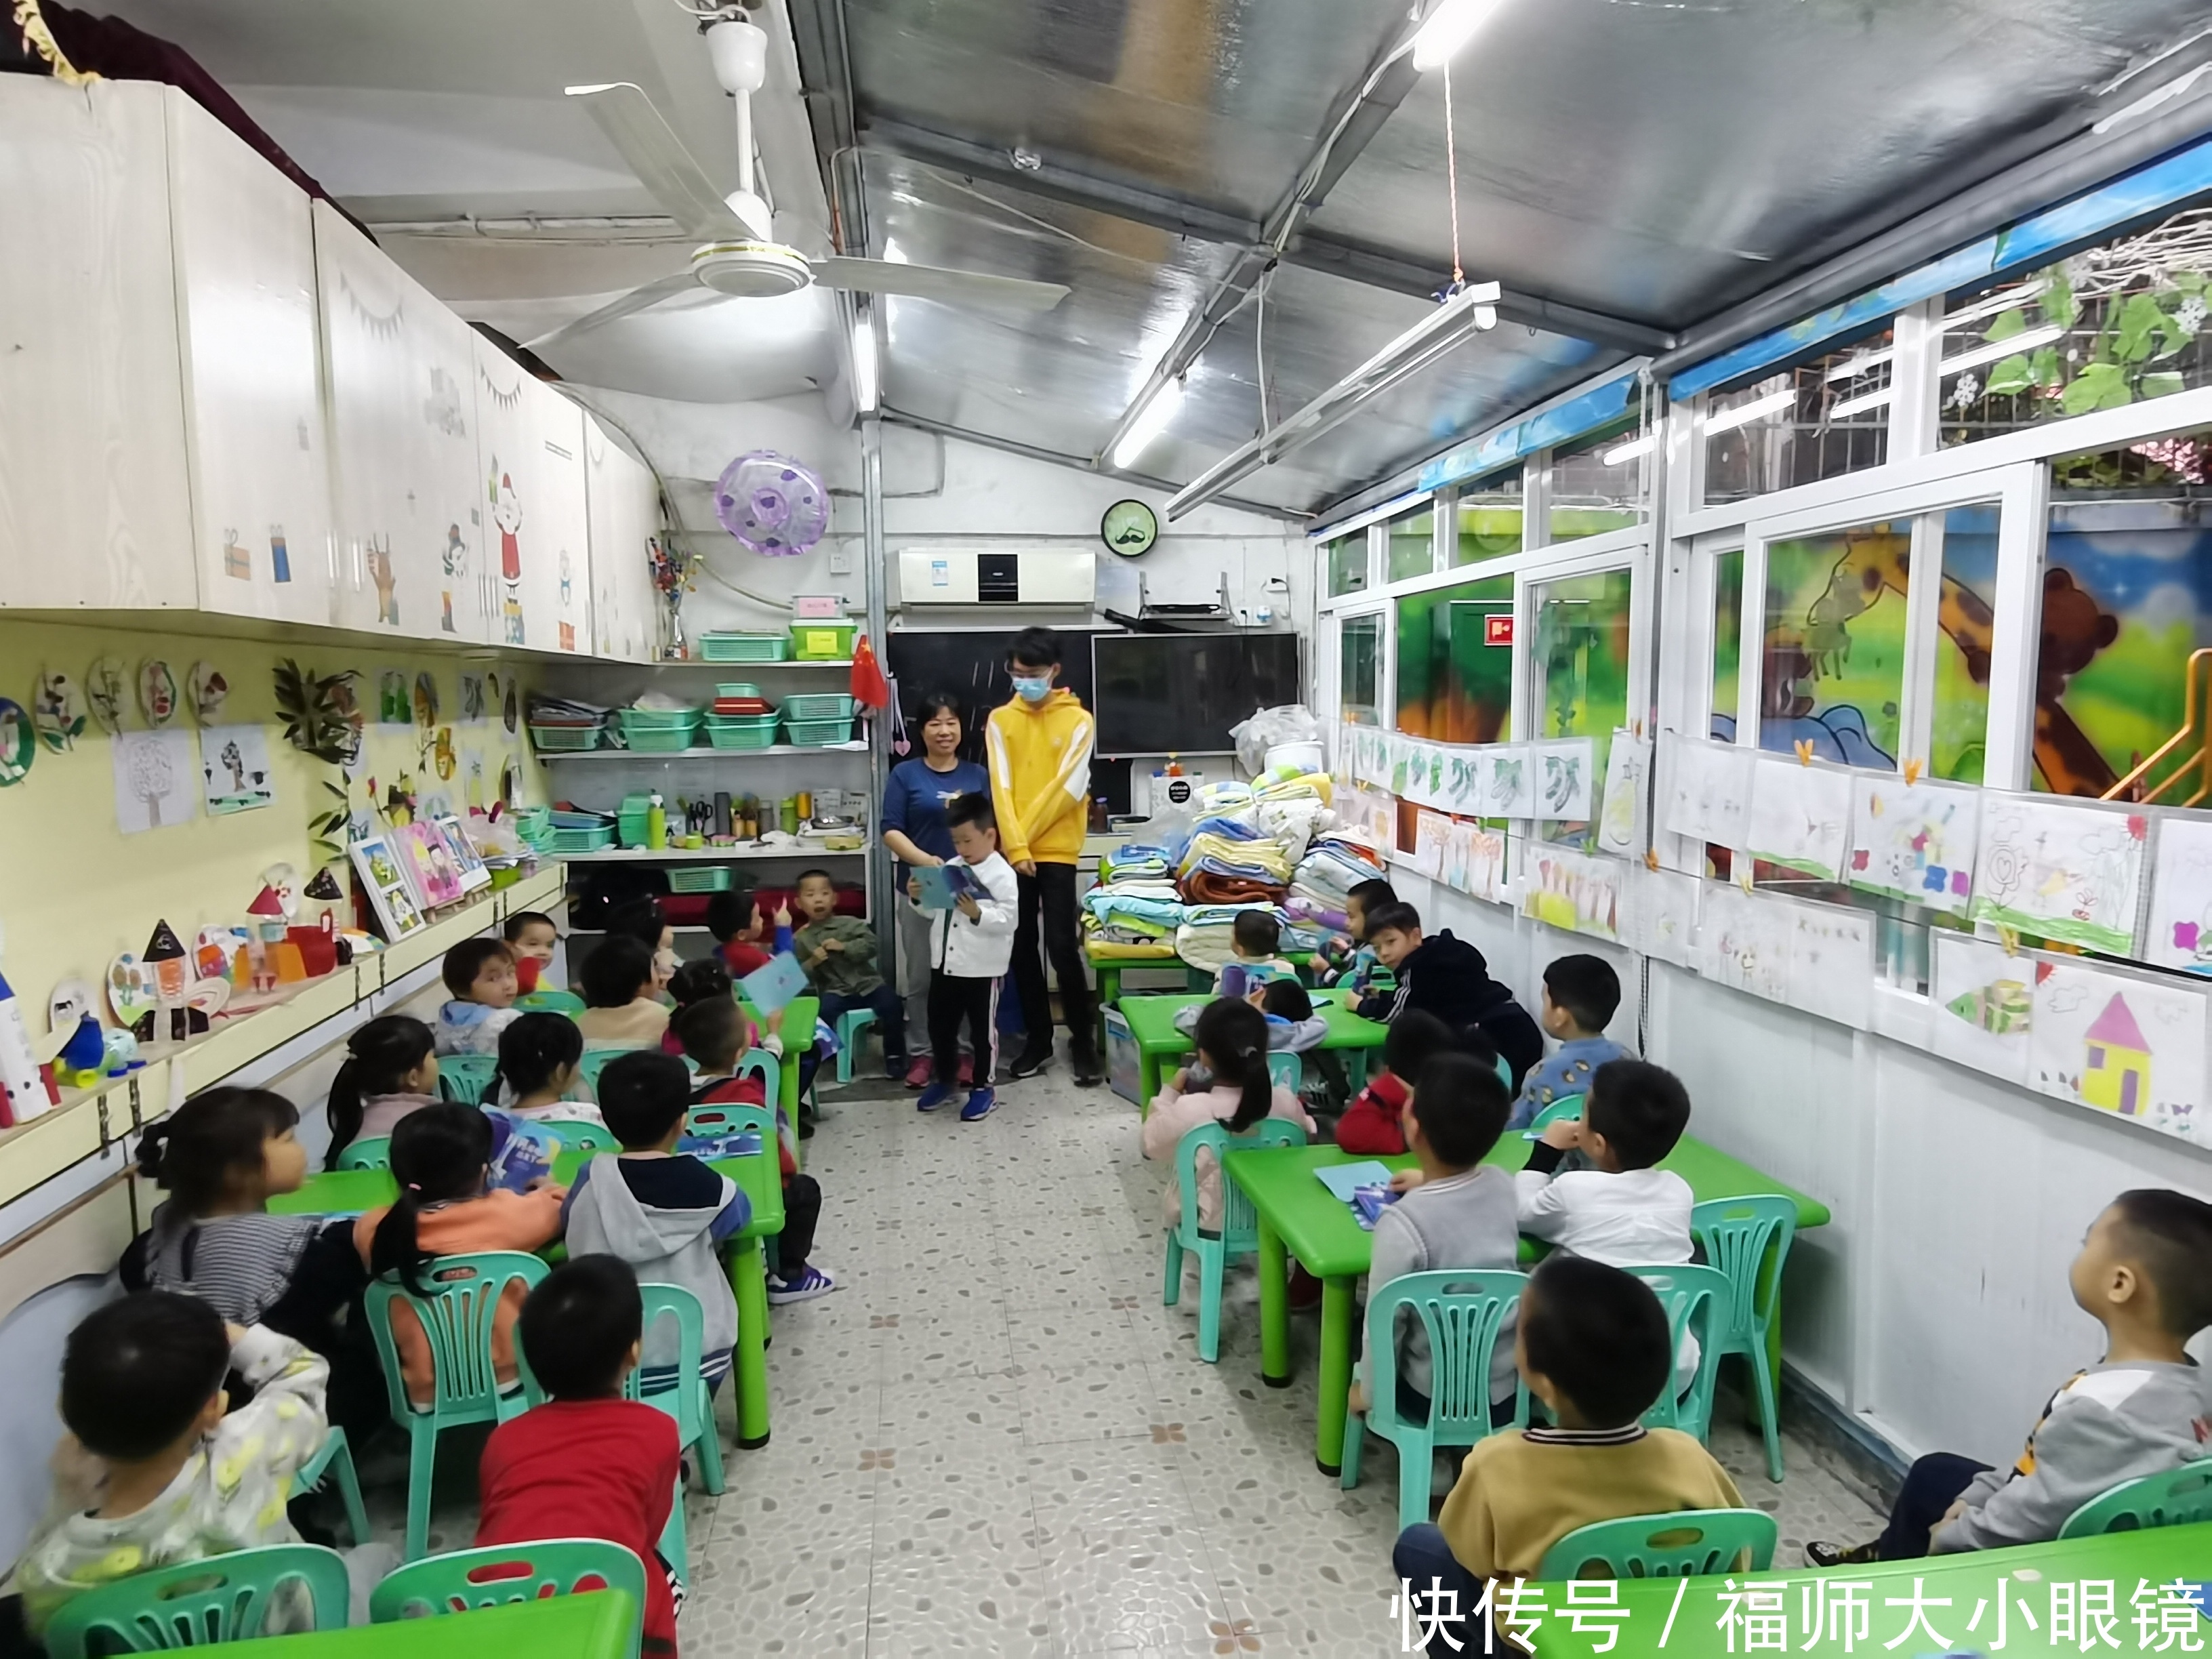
{"x":564,"y":739}
{"x":699,"y":878}
{"x":817,"y":734}
{"x":741,"y":730}
{"x":580,"y":841}
{"x":737,"y":688}
{"x":819,"y":706}
{"x":742,"y":648}
{"x":821,"y":642}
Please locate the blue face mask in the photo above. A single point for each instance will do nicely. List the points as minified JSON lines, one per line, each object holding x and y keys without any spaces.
{"x":1032,"y":687}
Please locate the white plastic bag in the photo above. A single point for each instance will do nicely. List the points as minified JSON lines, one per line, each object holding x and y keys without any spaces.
{"x":1291,"y":722}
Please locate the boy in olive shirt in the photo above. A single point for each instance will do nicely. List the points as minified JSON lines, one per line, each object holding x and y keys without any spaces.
{"x":839,"y":955}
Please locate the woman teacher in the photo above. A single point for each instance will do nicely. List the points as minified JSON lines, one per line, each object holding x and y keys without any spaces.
{"x":913,"y":828}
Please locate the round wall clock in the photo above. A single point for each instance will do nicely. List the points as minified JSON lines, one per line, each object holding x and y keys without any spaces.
{"x":1129,"y":528}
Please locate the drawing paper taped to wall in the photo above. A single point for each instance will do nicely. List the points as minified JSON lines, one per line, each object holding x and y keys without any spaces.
{"x":1914,"y":841}
{"x":2130,"y":1046}
{"x":1482,"y":873}
{"x":1831,"y":963}
{"x":1708,"y":790}
{"x":1662,"y":915}
{"x":1509,"y":781}
{"x":1579,"y":892}
{"x":2060,"y":869}
{"x":1800,"y":816}
{"x":1562,"y":777}
{"x":1983,"y":1002}
{"x":1621,"y":812}
{"x":2180,"y":932}
{"x":1431,"y":830}
{"x":1744,"y":941}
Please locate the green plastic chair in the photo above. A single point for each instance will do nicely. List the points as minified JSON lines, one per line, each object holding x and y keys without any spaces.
{"x":1286,"y":1071}
{"x":769,"y":1070}
{"x":334,"y":1460}
{"x":850,"y":1024}
{"x":1240,"y":1224}
{"x":688,"y":1402}
{"x":196,"y":1604}
{"x":578,"y":1136}
{"x":374,"y":1153}
{"x":551,"y":1002}
{"x":596,"y":1060}
{"x":1687,"y":1544}
{"x":1696,"y":1300}
{"x":1463,"y":1311}
{"x":458,"y":1321}
{"x":1748,"y":1239}
{"x":2173,"y":1499}
{"x":464,"y":1581}
{"x":465,"y":1077}
{"x":1566,"y":1106}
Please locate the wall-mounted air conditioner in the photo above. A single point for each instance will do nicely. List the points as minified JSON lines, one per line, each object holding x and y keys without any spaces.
{"x":1056,"y":579}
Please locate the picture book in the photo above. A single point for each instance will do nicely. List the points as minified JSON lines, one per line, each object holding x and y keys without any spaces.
{"x":430,"y":866}
{"x":390,"y":894}
{"x":772,"y":989}
{"x":943,"y":885}
{"x":454,"y":836}
{"x":1363,"y":1186}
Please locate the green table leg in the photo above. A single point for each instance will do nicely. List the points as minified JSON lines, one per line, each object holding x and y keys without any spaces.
{"x":1335,"y":1372}
{"x":1148,"y":1080}
{"x":1769,"y":1266}
{"x":749,"y":1281}
{"x":1275,"y":1309}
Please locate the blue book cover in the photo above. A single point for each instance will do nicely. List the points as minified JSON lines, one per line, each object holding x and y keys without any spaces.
{"x":1343,"y":1179}
{"x":943,"y":885}
{"x":771,"y":989}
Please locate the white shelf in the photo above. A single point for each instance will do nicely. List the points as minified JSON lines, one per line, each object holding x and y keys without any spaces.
{"x":858,"y":747}
{"x":711,"y":855}
{"x":745,"y":667}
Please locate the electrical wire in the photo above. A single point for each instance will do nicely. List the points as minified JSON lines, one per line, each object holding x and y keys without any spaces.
{"x":1259,"y":346}
{"x":1451,"y":179}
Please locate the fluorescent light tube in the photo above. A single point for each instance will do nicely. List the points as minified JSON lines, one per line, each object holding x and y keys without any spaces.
{"x":864,"y":365}
{"x":1447,"y":30}
{"x":1990,"y":350}
{"x":1772,"y":403}
{"x":2004,"y":299}
{"x":1629,"y":450}
{"x":1859,"y":365}
{"x":1860,"y":405}
{"x":1151,"y":420}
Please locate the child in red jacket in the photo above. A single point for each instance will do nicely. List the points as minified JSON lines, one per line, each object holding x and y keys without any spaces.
{"x":1371,"y":1124}
{"x":588,"y":1463}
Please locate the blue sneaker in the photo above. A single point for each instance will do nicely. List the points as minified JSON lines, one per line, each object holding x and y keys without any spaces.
{"x":980,"y":1103}
{"x":933,"y":1096}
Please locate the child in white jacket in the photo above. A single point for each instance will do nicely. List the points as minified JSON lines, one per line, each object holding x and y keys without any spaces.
{"x":971,"y":947}
{"x":1232,"y":1047}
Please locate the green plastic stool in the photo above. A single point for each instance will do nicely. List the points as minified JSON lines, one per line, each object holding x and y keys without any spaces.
{"x":850,"y":1024}
{"x":1748,"y":1239}
{"x":374,"y":1153}
{"x":1687,"y":1544}
{"x":2174,"y":1499}
{"x":1463,"y":1311}
{"x":1240,"y":1224}
{"x":551,"y":1002}
{"x":196,"y":1604}
{"x":465,"y":1580}
{"x":457,"y":1320}
{"x":465,"y":1077}
{"x":336,"y":1460}
{"x":1696,"y":1300}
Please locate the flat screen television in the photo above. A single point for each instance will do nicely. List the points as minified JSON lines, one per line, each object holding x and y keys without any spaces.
{"x":1179,"y":694}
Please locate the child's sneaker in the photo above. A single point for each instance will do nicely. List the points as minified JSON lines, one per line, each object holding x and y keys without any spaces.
{"x":895,"y":1070}
{"x":933,"y":1096}
{"x":918,"y":1073}
{"x":967,"y":1071}
{"x":804,"y":1288}
{"x":979,"y":1105}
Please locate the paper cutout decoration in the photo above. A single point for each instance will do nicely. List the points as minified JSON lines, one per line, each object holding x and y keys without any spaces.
{"x":382,"y":873}
{"x":1579,"y":892}
{"x":1708,"y":790}
{"x":2180,"y":932}
{"x":1831,"y":963}
{"x":472,"y":699}
{"x":104,"y":691}
{"x":323,"y":886}
{"x":1800,"y":816}
{"x":209,"y":690}
{"x":1983,"y":1004}
{"x":2060,"y":869}
{"x":1509,"y":781}
{"x":1621,"y":811}
{"x":131,"y":991}
{"x":157,"y":692}
{"x":18,"y":742}
{"x":1914,"y":841}
{"x":269,"y":906}
{"x":1561,"y":774}
{"x":57,"y":712}
{"x":392,"y":707}
{"x":2133,"y":1047}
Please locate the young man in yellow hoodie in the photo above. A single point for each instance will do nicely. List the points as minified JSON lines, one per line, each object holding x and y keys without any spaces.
{"x":1038,"y":745}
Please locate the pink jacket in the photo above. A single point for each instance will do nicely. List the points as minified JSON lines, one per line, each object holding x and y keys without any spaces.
{"x":1174,"y":1115}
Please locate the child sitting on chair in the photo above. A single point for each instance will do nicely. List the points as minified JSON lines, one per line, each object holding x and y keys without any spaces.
{"x":734,"y":919}
{"x":1254,"y":938}
{"x":480,"y":974}
{"x":2143,"y":1408}
{"x":1372,"y":1125}
{"x":152,"y":1472}
{"x":1591,"y":1344}
{"x":533,"y":937}
{"x":540,"y":1066}
{"x":587,"y":1462}
{"x":839,"y":955}
{"x":1581,"y":993}
{"x":1232,"y":1051}
{"x":620,"y":1010}
{"x":1353,"y":963}
{"x":390,"y":1071}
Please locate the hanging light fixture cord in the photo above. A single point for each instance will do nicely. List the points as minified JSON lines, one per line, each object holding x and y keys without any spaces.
{"x":1451,"y":182}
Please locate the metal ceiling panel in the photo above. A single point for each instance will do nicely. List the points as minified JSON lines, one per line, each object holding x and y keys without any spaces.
{"x":1215,"y":100}
{"x":1662,"y":162}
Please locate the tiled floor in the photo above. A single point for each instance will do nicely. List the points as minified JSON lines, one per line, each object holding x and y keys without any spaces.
{"x":995,"y":1440}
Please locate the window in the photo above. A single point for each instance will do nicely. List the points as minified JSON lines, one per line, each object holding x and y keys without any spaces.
{"x":1489,"y":515}
{"x":1728,"y":642}
{"x":1959,"y":726}
{"x":1818,"y":420}
{"x":1580,"y":660}
{"x":2127,"y":597}
{"x":1832,"y":646}
{"x":1456,"y":662}
{"x":1598,"y":485}
{"x":2113,"y":325}
{"x":1359,"y":659}
{"x":1412,"y":545}
{"x":1347,"y":564}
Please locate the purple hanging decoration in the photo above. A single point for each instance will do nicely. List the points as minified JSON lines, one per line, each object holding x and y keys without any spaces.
{"x":772,"y":504}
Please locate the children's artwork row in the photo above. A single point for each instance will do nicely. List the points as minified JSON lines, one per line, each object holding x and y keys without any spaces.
{"x":411,"y":870}
{"x":1547,"y":782}
{"x":2120,"y":878}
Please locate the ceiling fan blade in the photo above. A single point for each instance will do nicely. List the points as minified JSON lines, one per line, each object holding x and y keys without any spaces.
{"x":952,"y":288}
{"x":659,"y":158}
{"x":637,"y":300}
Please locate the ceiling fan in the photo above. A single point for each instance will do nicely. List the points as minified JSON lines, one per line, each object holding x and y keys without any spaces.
{"x":738,"y":255}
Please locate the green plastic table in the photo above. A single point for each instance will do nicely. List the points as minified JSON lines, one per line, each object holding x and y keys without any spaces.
{"x":798,"y":1015}
{"x":1152,"y":1025}
{"x":1954,"y":1598}
{"x":1299,"y":1218}
{"x":592,"y":1625}
{"x":348,"y":1192}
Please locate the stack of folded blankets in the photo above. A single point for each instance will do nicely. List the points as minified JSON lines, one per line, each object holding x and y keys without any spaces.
{"x":1204,"y":939}
{"x":1337,"y":861}
{"x":1229,"y":861}
{"x":1135,"y":902}
{"x":1286,"y":806}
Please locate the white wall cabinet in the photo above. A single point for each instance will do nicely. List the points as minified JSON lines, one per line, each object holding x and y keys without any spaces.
{"x":415,"y":556}
{"x":625,"y":512}
{"x":530,"y":463}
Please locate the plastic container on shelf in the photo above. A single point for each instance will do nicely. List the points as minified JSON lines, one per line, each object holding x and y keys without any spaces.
{"x":821,"y":642}
{"x":819,"y":706}
{"x":631,"y":819}
{"x":699,"y":878}
{"x":659,"y":731}
{"x":565,"y":739}
{"x":593,"y":840}
{"x":741,"y":730}
{"x":817,"y":734}
{"x":743,"y":647}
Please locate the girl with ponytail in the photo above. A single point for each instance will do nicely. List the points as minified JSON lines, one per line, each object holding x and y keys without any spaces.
{"x":439,"y":1155}
{"x":539,"y":1055}
{"x":1232,"y":1044}
{"x":390,"y":1070}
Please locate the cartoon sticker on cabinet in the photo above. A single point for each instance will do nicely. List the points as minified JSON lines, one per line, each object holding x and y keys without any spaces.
{"x":507,"y":513}
{"x":387,"y":579}
{"x":455,"y":561}
{"x":568,"y":594}
{"x":280,"y":556}
{"x":237,"y":561}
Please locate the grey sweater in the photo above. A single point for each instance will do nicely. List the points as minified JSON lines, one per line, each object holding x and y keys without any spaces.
{"x":1467,"y":1220}
{"x":2108,"y":1424}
